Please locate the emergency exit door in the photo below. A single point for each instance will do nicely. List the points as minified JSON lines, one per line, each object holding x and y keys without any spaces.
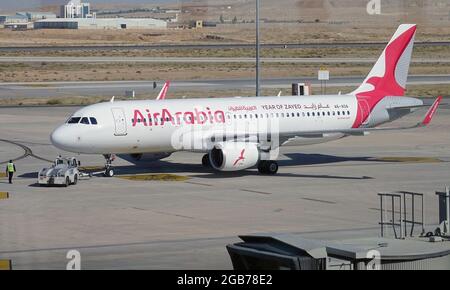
{"x":119,"y":122}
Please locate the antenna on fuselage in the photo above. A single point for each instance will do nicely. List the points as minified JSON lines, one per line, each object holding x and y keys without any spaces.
{"x":112,"y":99}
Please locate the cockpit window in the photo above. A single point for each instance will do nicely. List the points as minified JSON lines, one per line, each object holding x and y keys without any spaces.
{"x":74,"y":120}
{"x":85,"y":121}
{"x":93,"y":121}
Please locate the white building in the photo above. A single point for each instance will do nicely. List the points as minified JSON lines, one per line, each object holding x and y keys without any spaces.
{"x":32,"y":15}
{"x":100,"y":23}
{"x":76,"y":9}
{"x":11,"y":19}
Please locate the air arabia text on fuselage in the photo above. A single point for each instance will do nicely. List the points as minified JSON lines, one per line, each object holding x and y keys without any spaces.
{"x":196,"y":117}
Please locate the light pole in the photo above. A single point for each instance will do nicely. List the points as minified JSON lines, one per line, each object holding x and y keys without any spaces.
{"x":257,"y":49}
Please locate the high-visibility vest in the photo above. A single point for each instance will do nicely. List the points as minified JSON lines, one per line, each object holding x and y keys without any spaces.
{"x":10,"y":167}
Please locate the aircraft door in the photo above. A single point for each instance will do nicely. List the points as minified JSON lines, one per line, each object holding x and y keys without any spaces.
{"x":119,"y":122}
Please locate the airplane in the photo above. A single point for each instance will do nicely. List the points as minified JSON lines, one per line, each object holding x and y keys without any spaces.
{"x":162,"y":94}
{"x":240,"y":133}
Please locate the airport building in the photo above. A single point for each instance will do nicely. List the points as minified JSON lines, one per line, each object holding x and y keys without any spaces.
{"x":33,"y":16}
{"x":77,"y":15}
{"x":13,"y":19}
{"x":76,"y":9}
{"x":100,"y":23}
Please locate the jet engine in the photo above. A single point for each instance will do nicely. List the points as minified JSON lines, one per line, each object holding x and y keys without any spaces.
{"x":234,"y":156}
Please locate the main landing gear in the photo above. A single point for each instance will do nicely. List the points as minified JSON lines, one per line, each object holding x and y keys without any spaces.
{"x":205,"y":161}
{"x":268,"y":167}
{"x":109,"y":171}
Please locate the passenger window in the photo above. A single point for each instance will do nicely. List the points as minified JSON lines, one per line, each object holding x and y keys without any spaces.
{"x":85,"y":121}
{"x":74,"y":120}
{"x":94,"y":121}
{"x":339,"y":113}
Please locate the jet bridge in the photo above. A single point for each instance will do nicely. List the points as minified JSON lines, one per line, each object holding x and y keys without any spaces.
{"x":410,"y":247}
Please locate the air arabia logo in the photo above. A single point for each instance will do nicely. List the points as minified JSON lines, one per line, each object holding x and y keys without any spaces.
{"x":240,"y":158}
{"x":197,"y":117}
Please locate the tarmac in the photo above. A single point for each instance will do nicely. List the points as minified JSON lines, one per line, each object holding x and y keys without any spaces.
{"x":210,"y":46}
{"x":324,"y":191}
{"x":118,"y":88}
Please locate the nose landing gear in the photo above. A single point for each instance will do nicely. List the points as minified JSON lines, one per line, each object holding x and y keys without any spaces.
{"x":109,"y":171}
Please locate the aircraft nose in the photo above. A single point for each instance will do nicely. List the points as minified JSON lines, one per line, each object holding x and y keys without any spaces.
{"x":60,"y":139}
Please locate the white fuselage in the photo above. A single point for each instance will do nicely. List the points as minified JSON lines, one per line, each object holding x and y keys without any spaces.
{"x":167,"y":126}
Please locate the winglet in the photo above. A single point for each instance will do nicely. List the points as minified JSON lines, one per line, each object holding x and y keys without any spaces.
{"x":162,"y":94}
{"x":431,"y":112}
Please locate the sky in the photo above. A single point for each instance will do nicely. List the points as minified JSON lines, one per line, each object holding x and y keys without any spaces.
{"x":29,"y":4}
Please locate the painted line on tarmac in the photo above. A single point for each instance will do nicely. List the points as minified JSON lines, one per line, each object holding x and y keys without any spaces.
{"x":197,"y":183}
{"x":255,"y":191}
{"x":319,"y":200}
{"x":27,"y":152}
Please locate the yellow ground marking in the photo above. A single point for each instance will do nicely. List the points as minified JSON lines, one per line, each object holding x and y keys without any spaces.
{"x":409,"y":159}
{"x":154,"y":177}
{"x":5,"y":265}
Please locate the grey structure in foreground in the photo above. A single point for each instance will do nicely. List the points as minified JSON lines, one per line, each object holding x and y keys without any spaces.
{"x":296,"y":253}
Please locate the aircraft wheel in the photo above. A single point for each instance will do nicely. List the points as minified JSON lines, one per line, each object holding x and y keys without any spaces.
{"x":75,"y":179}
{"x":205,"y":161}
{"x":272,"y":167}
{"x":268,"y":167}
{"x":262,"y":168}
{"x":109,"y":172}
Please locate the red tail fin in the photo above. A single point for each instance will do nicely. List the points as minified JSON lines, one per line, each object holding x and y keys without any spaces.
{"x":389,"y":75}
{"x":162,"y":94}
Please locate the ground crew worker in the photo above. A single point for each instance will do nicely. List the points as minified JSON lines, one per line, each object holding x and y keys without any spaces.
{"x":10,"y":169}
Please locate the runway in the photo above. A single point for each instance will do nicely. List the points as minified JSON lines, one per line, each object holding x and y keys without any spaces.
{"x":7,"y":59}
{"x":118,"y":88}
{"x":326,"y":191}
{"x":208,"y":46}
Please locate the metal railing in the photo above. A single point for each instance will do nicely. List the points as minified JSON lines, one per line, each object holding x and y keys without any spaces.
{"x":400,"y":218}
